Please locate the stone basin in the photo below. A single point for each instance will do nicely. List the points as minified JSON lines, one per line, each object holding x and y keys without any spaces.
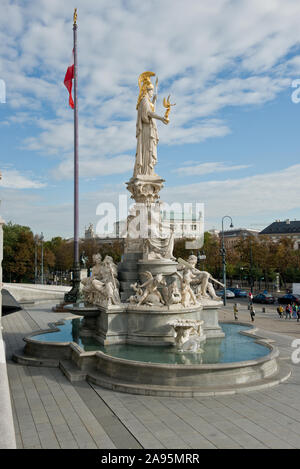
{"x":88,"y":311}
{"x":161,"y":379}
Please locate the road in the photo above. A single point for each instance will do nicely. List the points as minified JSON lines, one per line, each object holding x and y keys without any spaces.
{"x":268,"y":320}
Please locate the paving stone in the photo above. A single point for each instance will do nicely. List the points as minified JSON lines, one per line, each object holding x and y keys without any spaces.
{"x":51,"y":412}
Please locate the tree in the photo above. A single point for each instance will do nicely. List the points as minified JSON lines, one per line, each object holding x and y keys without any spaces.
{"x":18,"y":253}
{"x":91,"y":247}
{"x":63,"y":252}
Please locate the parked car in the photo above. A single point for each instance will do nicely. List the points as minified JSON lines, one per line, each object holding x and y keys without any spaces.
{"x":239,"y":293}
{"x":289,"y":298}
{"x":229,"y":293}
{"x":265,"y":298}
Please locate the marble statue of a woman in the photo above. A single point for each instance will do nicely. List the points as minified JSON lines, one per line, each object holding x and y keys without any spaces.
{"x":146,"y":130}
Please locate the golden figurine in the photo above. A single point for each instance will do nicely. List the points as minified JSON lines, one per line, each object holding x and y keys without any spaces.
{"x":144,"y":83}
{"x":75,"y":16}
{"x":146,"y":129}
{"x":167,"y":105}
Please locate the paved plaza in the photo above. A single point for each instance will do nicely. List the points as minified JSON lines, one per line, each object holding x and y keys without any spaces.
{"x":50,"y":412}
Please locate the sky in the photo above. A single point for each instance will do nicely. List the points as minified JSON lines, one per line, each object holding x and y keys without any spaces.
{"x":231,"y":67}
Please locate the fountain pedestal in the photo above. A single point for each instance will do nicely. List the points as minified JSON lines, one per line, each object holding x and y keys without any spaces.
{"x":144,"y":325}
{"x":210,"y":316}
{"x":156,"y":266}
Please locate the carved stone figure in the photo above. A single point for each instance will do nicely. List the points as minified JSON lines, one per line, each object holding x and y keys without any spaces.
{"x":107,"y":294}
{"x":146,"y":130}
{"x":174,"y":295}
{"x":201,"y":281}
{"x":188,"y":334}
{"x":159,"y":248}
{"x":83,"y":260}
{"x":148,"y":292}
{"x":87,"y":283}
{"x":138,"y":293}
{"x":102,"y":288}
{"x":188,"y":297}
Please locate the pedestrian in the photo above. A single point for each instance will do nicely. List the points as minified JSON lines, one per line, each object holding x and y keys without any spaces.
{"x":288,"y":311}
{"x":252,"y":312}
{"x":235,"y":311}
{"x":295,"y":310}
{"x":250,"y":296}
{"x":280,"y":311}
{"x":298,"y":314}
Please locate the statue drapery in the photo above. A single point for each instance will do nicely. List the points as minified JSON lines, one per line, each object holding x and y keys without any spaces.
{"x":147,"y":139}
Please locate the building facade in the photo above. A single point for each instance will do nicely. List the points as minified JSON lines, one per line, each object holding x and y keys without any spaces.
{"x":231,"y":237}
{"x":284,"y":229}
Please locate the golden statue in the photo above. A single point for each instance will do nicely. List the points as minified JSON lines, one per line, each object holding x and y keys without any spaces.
{"x":75,"y":16}
{"x":146,"y":130}
{"x":167,"y":105}
{"x":144,"y":84}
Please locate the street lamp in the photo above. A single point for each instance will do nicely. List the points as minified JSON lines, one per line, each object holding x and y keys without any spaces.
{"x":200,"y":257}
{"x":42,"y":259}
{"x":36,"y":242}
{"x":223,"y":252}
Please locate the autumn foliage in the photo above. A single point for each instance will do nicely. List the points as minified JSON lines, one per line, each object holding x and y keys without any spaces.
{"x":254,"y":258}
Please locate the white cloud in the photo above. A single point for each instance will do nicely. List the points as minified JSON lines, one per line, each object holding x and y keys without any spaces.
{"x":203,"y":58}
{"x":263,"y":198}
{"x":208,"y":168}
{"x":208,"y":55}
{"x":253,"y":195}
{"x":13,"y":179}
{"x":90,"y":167}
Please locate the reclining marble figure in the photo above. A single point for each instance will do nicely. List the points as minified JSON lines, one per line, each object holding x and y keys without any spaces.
{"x":102,"y":287}
{"x":201,"y":282}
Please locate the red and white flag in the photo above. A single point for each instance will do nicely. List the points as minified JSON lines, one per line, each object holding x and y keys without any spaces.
{"x":68,"y":81}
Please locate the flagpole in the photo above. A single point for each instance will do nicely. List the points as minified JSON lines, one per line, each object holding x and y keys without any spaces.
{"x":73,"y":295}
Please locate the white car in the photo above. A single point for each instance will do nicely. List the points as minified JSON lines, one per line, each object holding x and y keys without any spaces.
{"x":229,"y":293}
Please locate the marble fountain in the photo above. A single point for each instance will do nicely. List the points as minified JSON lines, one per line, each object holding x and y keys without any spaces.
{"x":150,"y":325}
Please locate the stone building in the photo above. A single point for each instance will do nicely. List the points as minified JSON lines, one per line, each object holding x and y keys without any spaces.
{"x":284,"y":229}
{"x":231,"y":237}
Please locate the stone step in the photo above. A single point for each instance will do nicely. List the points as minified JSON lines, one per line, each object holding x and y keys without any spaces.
{"x":71,"y":371}
{"x":121,"y":385}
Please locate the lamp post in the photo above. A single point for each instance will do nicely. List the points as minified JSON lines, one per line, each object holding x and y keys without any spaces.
{"x":36,"y":242}
{"x":42,"y":258}
{"x":277,"y":282}
{"x":251,"y":267}
{"x":223,"y":252}
{"x":241,"y":275}
{"x":200,"y":257}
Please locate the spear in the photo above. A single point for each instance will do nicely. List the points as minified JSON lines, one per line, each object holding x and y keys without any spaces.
{"x":156,"y":88}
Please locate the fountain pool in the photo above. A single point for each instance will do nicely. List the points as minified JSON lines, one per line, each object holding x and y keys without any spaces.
{"x":240,"y":361}
{"x":234,"y":347}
